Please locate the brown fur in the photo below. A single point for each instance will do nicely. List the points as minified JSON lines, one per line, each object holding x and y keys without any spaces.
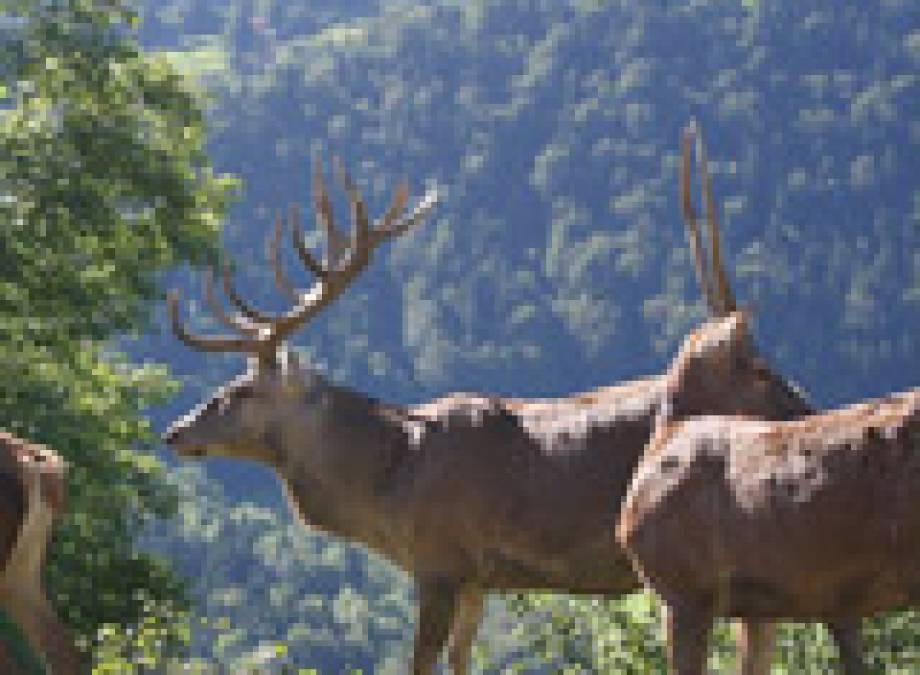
{"x":810,"y":519}
{"x":469,"y":492}
{"x":32,"y":480}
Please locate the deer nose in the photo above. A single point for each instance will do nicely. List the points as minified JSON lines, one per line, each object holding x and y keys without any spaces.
{"x":172,"y":437}
{"x":169,"y":436}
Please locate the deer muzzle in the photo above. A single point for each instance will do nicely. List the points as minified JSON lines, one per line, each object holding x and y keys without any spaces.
{"x":173,"y":438}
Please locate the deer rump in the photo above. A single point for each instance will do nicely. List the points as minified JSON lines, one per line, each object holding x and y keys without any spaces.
{"x":808,"y":519}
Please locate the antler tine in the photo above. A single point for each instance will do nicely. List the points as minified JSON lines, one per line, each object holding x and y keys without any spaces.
{"x":395,"y":210}
{"x":273,"y":253}
{"x":336,"y":242}
{"x":263,"y":332}
{"x":250,"y":312}
{"x":360,"y":238}
{"x":309,"y":261}
{"x":217,"y":343}
{"x":327,"y":288}
{"x":690,"y":218}
{"x":236,"y":322}
{"x":428,"y":202}
{"x":725,"y":297}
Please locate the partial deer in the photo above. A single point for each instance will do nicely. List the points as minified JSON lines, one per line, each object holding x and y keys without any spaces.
{"x":470,"y":492}
{"x":32,"y":493}
{"x":813,"y":519}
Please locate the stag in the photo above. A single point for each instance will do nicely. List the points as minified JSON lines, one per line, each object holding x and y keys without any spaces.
{"x":468,"y":493}
{"x":32,"y":494}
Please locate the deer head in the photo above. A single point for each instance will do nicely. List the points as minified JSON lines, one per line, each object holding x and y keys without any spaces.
{"x":33,"y":478}
{"x":29,"y":462}
{"x":718,"y":369}
{"x":277,"y":395}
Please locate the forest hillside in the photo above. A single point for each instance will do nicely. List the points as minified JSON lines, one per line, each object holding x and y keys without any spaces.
{"x":558,"y":261}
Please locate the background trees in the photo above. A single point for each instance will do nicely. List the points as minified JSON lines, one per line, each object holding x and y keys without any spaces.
{"x":556,"y":264}
{"x":103,"y":184}
{"x":558,"y":261}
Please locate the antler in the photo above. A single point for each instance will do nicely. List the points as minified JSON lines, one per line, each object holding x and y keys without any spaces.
{"x":261,"y":332}
{"x":714,"y":281}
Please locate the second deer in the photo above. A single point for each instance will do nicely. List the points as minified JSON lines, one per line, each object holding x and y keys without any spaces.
{"x":814,"y":519}
{"x":817,"y":519}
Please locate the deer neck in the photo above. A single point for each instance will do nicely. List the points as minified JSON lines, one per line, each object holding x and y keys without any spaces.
{"x":338,"y":475}
{"x":21,"y":590}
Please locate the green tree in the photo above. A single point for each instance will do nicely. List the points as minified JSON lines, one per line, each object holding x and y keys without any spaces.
{"x":104,"y":183}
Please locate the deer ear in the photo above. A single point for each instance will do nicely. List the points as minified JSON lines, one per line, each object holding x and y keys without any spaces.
{"x":737,"y":327}
{"x":729,"y":338}
{"x":724,"y":335}
{"x":287,"y":364}
{"x":254,"y":363}
{"x":267,"y":360}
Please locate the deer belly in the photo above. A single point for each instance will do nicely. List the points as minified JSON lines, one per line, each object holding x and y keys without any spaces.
{"x":809,"y":565}
{"x":802,"y":561}
{"x":807,"y":597}
{"x":500,"y":570}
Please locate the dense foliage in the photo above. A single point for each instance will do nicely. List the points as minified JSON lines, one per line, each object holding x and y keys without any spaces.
{"x":103,"y":184}
{"x":551,"y":126}
{"x":558,"y":262}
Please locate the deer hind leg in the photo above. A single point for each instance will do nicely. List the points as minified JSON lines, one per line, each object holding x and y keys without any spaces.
{"x":848,"y":636}
{"x":688,"y":627}
{"x":755,"y":640}
{"x":437,"y":598}
{"x":467,"y":615}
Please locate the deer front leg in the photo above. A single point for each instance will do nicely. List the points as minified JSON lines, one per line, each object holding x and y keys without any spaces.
{"x":7,"y":663}
{"x":437,"y":598}
{"x":688,"y":627}
{"x":755,"y":639}
{"x":848,"y":636}
{"x":44,"y":632}
{"x":61,"y":652}
{"x":467,"y":615}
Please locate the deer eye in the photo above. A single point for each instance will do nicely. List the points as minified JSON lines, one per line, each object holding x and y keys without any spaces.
{"x":244,"y":393}
{"x":761,"y":369}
